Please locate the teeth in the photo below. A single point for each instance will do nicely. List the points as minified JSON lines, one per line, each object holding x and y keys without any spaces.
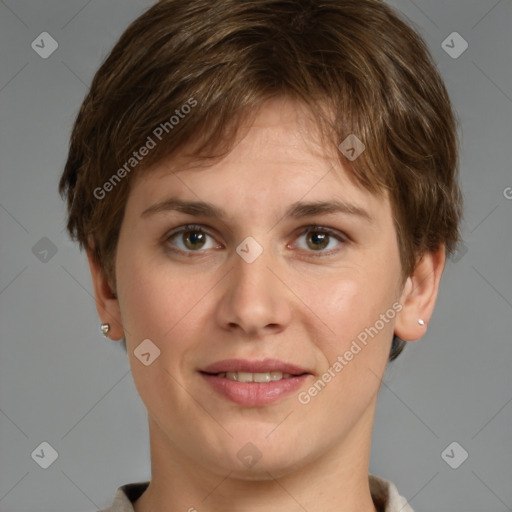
{"x":254,"y":377}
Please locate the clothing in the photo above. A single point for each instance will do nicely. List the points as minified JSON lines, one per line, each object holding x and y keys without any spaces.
{"x":384,"y":494}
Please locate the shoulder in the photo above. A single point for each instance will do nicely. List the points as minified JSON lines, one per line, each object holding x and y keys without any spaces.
{"x":125,"y":496}
{"x":386,"y":497}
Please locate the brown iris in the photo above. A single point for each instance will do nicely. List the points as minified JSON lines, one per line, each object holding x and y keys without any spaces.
{"x":194,"y":239}
{"x":320,"y":240}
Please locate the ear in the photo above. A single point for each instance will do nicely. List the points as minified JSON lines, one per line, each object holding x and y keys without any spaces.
{"x":419,"y":295}
{"x":107,"y":303}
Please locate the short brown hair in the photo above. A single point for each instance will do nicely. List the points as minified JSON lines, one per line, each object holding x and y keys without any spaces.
{"x":357,"y":60}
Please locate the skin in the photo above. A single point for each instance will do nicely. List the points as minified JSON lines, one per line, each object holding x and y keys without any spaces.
{"x":289,"y":304}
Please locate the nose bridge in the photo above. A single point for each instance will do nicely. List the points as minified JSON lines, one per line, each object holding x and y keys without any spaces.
{"x":251,"y":275}
{"x":254,"y":299}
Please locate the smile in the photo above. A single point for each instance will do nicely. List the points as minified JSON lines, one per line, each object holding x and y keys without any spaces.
{"x":254,"y":377}
{"x":254,"y":389}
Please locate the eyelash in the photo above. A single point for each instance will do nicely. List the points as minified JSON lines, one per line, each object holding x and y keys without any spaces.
{"x":341,"y":237}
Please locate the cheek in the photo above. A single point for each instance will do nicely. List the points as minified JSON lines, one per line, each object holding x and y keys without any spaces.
{"x":348,"y":308}
{"x":355,"y":354}
{"x":149,"y":302}
{"x":338,"y":301}
{"x":161,"y":305}
{"x":158,"y":306}
{"x":146,"y":304}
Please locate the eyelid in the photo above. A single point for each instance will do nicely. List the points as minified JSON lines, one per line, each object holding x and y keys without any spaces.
{"x":324,"y":229}
{"x":334,"y":233}
{"x":186,"y":227}
{"x":183,"y":229}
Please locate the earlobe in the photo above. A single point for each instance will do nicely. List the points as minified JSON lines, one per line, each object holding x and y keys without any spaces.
{"x":107,"y":303}
{"x":419,"y":296}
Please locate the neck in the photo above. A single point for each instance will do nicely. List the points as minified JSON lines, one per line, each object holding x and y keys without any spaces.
{"x":335,"y":481}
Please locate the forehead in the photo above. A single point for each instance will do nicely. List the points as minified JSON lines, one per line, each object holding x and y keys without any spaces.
{"x":279,"y":158}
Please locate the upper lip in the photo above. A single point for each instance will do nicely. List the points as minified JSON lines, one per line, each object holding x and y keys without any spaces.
{"x":246,"y":365}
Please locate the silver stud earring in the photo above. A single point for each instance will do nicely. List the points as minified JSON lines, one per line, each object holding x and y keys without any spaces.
{"x":105,"y":329}
{"x":421,"y":322}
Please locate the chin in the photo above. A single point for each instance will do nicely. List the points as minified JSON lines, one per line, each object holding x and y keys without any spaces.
{"x":264,"y":469}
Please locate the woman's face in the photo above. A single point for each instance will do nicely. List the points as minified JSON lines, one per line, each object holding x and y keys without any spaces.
{"x":256,"y":285}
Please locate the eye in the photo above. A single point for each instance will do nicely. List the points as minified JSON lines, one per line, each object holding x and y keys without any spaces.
{"x":190,"y":238}
{"x":318,"y":238}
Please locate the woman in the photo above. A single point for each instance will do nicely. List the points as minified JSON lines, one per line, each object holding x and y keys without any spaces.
{"x":266,"y":192}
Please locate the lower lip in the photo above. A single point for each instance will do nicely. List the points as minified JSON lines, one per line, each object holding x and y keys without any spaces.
{"x":253,"y":394}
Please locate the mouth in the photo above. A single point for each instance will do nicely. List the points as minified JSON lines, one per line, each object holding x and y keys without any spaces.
{"x":254,"y":383}
{"x":267,"y":367}
{"x":270,"y":376}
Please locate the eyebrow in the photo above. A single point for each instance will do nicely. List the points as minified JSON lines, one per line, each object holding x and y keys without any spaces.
{"x":296,"y":210}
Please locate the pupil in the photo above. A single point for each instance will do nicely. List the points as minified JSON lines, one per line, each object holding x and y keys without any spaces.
{"x":319,"y":238}
{"x":195,"y":237}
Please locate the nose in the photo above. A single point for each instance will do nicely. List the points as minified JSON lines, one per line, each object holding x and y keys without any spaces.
{"x":254,"y":300}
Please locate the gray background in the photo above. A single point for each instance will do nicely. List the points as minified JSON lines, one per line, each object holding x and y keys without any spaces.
{"x":62,"y":383}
